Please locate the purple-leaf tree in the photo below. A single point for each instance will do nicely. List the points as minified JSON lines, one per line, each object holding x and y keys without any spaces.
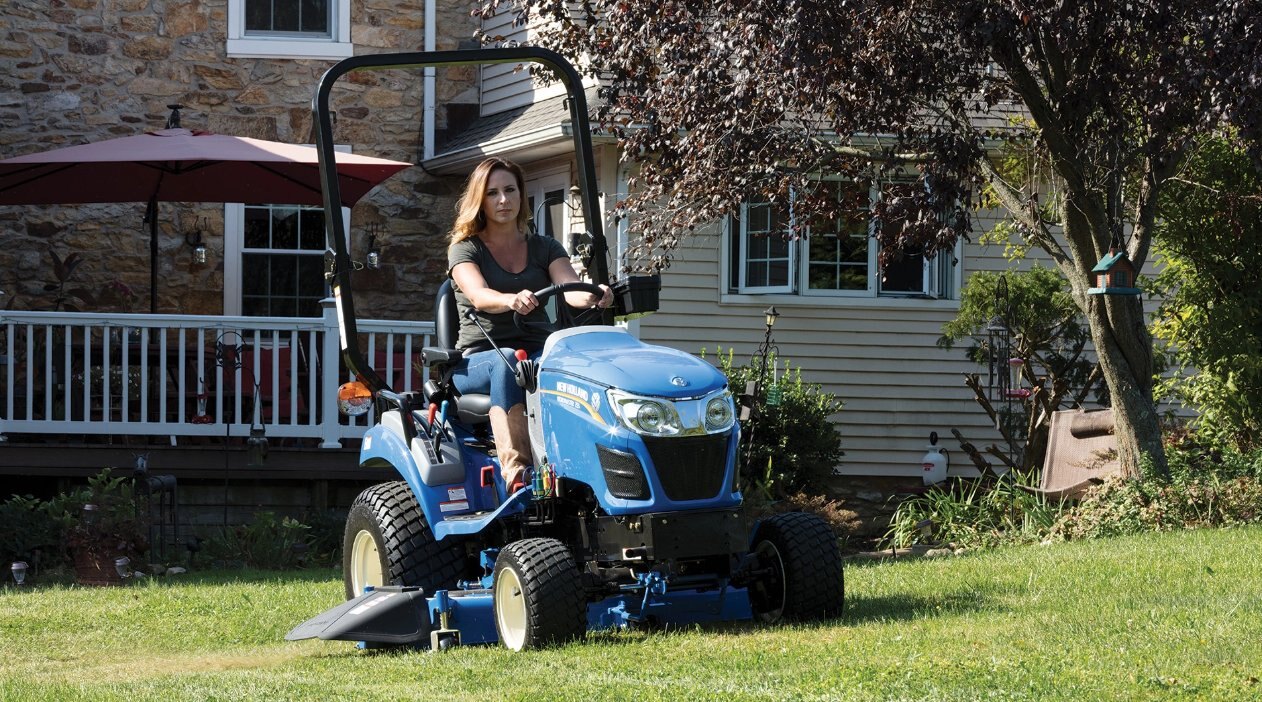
{"x":719,"y":101}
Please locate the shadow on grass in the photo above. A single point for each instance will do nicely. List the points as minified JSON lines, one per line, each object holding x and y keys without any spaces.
{"x":858,"y":611}
{"x":909,"y":607}
{"x":229,"y":576}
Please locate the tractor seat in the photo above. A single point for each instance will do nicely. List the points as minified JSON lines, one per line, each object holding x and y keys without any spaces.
{"x":472,"y":408}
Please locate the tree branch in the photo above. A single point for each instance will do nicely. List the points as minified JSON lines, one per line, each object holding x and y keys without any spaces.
{"x":973,"y":454}
{"x":1011,"y":199}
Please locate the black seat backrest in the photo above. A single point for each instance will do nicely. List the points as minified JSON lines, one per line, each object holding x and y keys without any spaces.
{"x":470,"y":409}
{"x":446,"y":316}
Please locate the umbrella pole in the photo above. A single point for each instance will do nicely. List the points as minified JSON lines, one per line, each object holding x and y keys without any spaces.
{"x":151,"y":216}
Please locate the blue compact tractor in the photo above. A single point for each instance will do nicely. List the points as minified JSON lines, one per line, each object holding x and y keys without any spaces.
{"x":633,"y":515}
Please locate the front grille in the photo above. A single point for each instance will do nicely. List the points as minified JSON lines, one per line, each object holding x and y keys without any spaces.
{"x":690,"y":468}
{"x":623,"y":474}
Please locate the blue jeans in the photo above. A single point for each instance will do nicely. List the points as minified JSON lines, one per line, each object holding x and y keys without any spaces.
{"x":485,"y":373}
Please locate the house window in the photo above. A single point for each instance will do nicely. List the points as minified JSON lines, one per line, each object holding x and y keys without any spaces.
{"x":306,"y":18}
{"x":282,"y":258}
{"x":273,"y":259}
{"x":836,"y":257}
{"x":289,"y":29}
{"x":767,"y":264}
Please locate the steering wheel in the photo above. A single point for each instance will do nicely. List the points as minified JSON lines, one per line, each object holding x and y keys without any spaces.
{"x":565,"y":317}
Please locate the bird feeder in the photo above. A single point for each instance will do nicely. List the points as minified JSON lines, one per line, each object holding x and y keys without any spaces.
{"x":1014,"y":379}
{"x":1114,"y":275}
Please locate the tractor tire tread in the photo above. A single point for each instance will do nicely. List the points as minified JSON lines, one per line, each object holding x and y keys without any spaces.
{"x":553,"y":586}
{"x":813,"y":565}
{"x":414,"y":556}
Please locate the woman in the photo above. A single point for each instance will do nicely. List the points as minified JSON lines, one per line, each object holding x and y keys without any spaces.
{"x":495,"y":264}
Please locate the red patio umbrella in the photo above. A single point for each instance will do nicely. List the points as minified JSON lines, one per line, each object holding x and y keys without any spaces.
{"x":178,"y":165}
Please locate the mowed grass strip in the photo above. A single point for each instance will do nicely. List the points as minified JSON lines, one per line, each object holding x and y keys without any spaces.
{"x":1158,"y":617}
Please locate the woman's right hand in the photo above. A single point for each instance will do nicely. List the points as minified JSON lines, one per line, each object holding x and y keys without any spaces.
{"x":523,"y":303}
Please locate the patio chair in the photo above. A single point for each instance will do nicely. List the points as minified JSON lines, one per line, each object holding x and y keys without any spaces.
{"x":1081,"y":452}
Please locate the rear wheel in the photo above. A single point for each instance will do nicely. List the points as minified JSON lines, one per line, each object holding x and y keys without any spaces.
{"x":538,"y":595}
{"x":803,"y":577}
{"x":389,"y":542}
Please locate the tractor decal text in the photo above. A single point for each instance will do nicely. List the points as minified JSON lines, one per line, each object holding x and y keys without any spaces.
{"x":575,"y":400}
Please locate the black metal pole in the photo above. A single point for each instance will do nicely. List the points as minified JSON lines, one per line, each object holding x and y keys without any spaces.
{"x":151,"y":216}
{"x":338,"y":265}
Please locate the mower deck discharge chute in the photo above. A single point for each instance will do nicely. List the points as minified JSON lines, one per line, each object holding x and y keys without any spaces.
{"x":633,"y":513}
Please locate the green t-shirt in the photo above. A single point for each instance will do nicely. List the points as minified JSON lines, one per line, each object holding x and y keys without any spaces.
{"x":541,"y":251}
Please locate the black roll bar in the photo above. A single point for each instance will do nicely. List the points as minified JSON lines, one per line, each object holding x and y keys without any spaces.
{"x":337,"y":257}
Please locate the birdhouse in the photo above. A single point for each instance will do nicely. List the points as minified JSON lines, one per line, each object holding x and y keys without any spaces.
{"x":1114,"y":275}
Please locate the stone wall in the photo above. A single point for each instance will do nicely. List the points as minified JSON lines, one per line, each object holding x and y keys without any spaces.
{"x":76,"y":71}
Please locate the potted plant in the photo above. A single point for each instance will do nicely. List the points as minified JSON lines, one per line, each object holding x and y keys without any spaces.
{"x":104,"y":523}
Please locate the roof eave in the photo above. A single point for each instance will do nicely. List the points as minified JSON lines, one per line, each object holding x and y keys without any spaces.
{"x":536,"y":144}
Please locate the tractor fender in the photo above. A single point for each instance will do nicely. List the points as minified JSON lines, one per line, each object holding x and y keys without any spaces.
{"x":382,"y":448}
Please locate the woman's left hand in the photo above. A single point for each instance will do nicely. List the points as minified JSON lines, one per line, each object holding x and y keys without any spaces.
{"x":606,"y":299}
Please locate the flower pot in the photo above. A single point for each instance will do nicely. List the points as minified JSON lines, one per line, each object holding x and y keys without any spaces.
{"x":95,"y":567}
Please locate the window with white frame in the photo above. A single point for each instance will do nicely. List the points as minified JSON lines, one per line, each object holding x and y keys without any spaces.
{"x":319,"y":29}
{"x":833,"y":258}
{"x":282,"y":261}
{"x":274,"y":260}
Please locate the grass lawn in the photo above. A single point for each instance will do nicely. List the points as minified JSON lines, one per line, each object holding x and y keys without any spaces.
{"x":1159,"y":617}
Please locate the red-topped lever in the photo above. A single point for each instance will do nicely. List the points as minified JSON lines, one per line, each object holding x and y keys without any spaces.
{"x":525,"y":370}
{"x":433,"y":410}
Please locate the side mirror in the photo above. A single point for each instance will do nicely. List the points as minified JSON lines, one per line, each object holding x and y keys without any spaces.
{"x":353,"y":398}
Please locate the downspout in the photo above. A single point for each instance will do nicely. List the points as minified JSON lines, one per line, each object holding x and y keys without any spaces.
{"x":429,"y":104}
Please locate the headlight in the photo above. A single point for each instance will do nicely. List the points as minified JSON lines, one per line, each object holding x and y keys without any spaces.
{"x":645,"y":415}
{"x":656,"y":416}
{"x":718,"y":413}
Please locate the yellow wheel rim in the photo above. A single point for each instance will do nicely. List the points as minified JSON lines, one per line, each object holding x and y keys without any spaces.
{"x":365,"y":563}
{"x":510,"y":609}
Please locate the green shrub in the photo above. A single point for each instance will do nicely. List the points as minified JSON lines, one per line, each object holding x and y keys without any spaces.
{"x":974,"y":513}
{"x":795,"y":445}
{"x":29,"y":532}
{"x":1207,"y":488}
{"x":267,"y":542}
{"x":1210,"y":239}
{"x":119,"y":525}
{"x":1047,"y":332}
{"x":326,"y":528}
{"x":1120,"y":507}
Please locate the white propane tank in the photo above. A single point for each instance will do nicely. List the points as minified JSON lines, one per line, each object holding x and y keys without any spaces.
{"x":934,"y":462}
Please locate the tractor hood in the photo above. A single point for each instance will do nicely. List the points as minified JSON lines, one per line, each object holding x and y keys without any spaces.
{"x":611,"y":357}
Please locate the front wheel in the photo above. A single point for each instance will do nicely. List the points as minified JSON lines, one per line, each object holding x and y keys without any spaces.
{"x":803,"y":577}
{"x":389,"y":542}
{"x":538,"y":595}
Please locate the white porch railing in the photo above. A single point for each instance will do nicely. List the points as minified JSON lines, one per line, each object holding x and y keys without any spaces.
{"x":191,"y":375}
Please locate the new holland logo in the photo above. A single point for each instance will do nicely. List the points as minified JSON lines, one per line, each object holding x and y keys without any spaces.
{"x":678,"y":381}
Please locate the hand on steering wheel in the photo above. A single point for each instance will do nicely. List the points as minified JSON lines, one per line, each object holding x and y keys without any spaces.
{"x":565,"y":319}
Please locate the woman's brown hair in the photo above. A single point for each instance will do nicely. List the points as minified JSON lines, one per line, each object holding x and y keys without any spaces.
{"x":469,"y":217}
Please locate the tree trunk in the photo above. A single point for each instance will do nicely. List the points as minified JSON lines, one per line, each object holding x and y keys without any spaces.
{"x":1124,"y":349}
{"x":1122,"y":343}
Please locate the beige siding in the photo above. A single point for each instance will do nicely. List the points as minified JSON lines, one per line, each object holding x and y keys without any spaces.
{"x":509,"y":85}
{"x":879,"y":356}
